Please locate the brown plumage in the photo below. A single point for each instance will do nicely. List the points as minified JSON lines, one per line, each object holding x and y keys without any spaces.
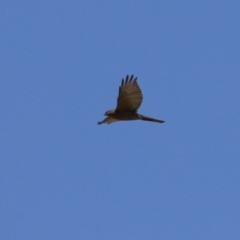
{"x":129,"y":100}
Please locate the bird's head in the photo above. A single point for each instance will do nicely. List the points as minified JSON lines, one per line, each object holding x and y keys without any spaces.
{"x":109,"y":112}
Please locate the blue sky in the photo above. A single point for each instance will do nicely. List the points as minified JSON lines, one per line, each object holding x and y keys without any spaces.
{"x":62,"y":176}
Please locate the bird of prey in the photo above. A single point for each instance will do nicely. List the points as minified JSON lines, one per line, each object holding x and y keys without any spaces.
{"x":129,"y":100}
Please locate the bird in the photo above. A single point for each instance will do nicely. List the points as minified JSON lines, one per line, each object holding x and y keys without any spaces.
{"x":129,"y":100}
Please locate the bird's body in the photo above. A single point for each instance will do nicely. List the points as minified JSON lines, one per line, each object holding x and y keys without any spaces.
{"x":129,"y":100}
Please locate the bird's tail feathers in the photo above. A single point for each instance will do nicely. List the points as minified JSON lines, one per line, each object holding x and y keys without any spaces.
{"x":145,"y":118}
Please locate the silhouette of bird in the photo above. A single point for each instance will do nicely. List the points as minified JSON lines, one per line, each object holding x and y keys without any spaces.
{"x":129,"y":100}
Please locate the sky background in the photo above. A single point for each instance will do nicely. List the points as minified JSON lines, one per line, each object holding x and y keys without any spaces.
{"x":63,"y":177}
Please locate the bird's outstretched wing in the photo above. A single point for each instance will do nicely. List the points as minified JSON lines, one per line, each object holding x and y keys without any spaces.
{"x":130,"y":95}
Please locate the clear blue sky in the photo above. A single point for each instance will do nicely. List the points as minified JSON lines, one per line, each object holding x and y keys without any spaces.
{"x":64,"y":177}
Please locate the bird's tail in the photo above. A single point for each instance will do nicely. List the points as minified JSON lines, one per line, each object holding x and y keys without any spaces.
{"x":144,"y":118}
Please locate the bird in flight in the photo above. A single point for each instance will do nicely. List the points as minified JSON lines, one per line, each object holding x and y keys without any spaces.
{"x":129,"y":100}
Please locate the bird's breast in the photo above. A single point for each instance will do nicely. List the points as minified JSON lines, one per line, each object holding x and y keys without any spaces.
{"x":125,"y":115}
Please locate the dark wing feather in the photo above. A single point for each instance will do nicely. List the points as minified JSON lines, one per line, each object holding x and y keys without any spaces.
{"x":130,"y":95}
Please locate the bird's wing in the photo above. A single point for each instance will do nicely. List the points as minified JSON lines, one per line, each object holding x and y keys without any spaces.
{"x":130,"y":95}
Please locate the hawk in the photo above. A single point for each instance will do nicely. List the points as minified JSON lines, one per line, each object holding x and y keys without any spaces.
{"x":129,"y":100}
